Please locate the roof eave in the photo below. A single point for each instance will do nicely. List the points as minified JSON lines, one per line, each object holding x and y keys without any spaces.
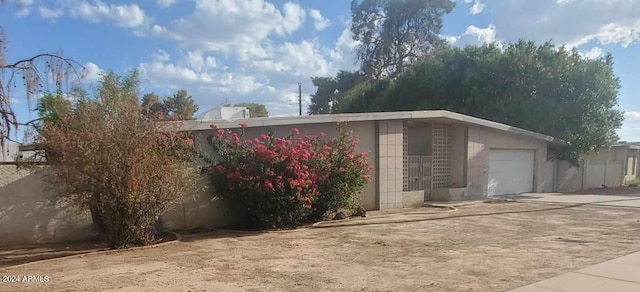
{"x":196,"y":125}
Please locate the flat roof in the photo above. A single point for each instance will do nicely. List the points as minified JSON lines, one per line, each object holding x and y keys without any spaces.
{"x":199,"y":125}
{"x":633,"y":145}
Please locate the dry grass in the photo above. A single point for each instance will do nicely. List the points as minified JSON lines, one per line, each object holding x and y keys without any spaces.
{"x":481,"y":247}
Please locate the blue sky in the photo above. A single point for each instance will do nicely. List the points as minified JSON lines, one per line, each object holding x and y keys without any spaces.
{"x":258,"y":50}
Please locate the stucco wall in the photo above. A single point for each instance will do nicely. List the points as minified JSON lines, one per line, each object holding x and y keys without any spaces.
{"x":458,"y":155}
{"x":569,"y":178}
{"x":481,"y":140}
{"x":28,"y":215}
{"x":605,"y":166}
{"x":364,"y":130}
{"x":199,"y":210}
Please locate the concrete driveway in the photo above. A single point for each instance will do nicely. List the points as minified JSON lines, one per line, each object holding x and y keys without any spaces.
{"x":630,"y":200}
{"x":620,"y":275}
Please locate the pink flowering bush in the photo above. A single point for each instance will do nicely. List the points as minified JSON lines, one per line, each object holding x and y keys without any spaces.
{"x":282,"y":182}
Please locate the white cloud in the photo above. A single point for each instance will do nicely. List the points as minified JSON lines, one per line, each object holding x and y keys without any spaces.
{"x":198,"y":62}
{"x":14,"y":100}
{"x":22,"y":12}
{"x":319,"y":22}
{"x":248,"y":35}
{"x":126,"y":15}
{"x":294,"y":16}
{"x":48,"y":13}
{"x":342,"y":55}
{"x":573,"y":23}
{"x":214,"y":84}
{"x":195,"y":70}
{"x":239,"y":25}
{"x":630,"y":130}
{"x":300,"y":59}
{"x":476,"y":8}
{"x":160,"y":56}
{"x":92,"y":73}
{"x":594,"y":53}
{"x":632,"y":116}
{"x":23,"y":7}
{"x":474,"y":35}
{"x":165,"y":3}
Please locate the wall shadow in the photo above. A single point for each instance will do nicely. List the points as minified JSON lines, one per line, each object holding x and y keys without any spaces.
{"x":28,"y":214}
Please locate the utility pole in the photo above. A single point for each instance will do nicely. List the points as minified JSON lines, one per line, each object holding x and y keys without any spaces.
{"x":300,"y":98}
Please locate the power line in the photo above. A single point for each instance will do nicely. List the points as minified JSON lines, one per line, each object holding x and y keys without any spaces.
{"x":300,"y":98}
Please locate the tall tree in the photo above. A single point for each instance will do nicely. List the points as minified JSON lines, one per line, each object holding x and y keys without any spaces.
{"x":181,"y":105}
{"x":330,"y":91}
{"x":393,"y":33}
{"x":34,"y":75}
{"x":104,"y":157}
{"x":541,"y":88}
{"x":256,"y":110}
{"x":152,"y":106}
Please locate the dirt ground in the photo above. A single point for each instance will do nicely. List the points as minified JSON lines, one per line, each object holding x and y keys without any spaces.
{"x":619,"y":191}
{"x":479,"y":247}
{"x":15,"y":255}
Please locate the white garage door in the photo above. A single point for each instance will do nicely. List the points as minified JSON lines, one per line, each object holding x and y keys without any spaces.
{"x":510,"y":172}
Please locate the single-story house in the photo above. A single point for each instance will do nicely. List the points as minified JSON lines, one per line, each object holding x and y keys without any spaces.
{"x":424,"y":155}
{"x":416,"y":156}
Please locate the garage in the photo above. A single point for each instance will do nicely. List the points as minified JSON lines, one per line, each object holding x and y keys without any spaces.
{"x":510,"y":172}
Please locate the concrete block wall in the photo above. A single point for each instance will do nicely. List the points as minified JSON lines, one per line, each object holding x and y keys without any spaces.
{"x":441,"y":148}
{"x":390,"y":171}
{"x":405,"y":156}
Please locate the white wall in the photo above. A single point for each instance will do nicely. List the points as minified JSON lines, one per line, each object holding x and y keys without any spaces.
{"x":225,"y":113}
{"x":9,"y":152}
{"x":364,"y":130}
{"x":605,"y":166}
{"x":569,"y":178}
{"x":29,"y":215}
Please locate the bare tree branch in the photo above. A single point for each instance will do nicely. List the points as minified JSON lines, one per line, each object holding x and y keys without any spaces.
{"x":37,"y":73}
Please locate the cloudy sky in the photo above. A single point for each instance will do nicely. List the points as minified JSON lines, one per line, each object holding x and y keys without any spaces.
{"x":259,"y":50}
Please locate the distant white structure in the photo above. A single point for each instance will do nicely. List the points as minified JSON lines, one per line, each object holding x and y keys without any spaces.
{"x":225,"y":113}
{"x":11,"y":152}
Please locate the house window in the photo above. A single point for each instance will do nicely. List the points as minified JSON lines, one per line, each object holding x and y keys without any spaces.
{"x":633,"y":166}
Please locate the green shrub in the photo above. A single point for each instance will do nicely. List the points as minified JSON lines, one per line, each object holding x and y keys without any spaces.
{"x":275,"y":182}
